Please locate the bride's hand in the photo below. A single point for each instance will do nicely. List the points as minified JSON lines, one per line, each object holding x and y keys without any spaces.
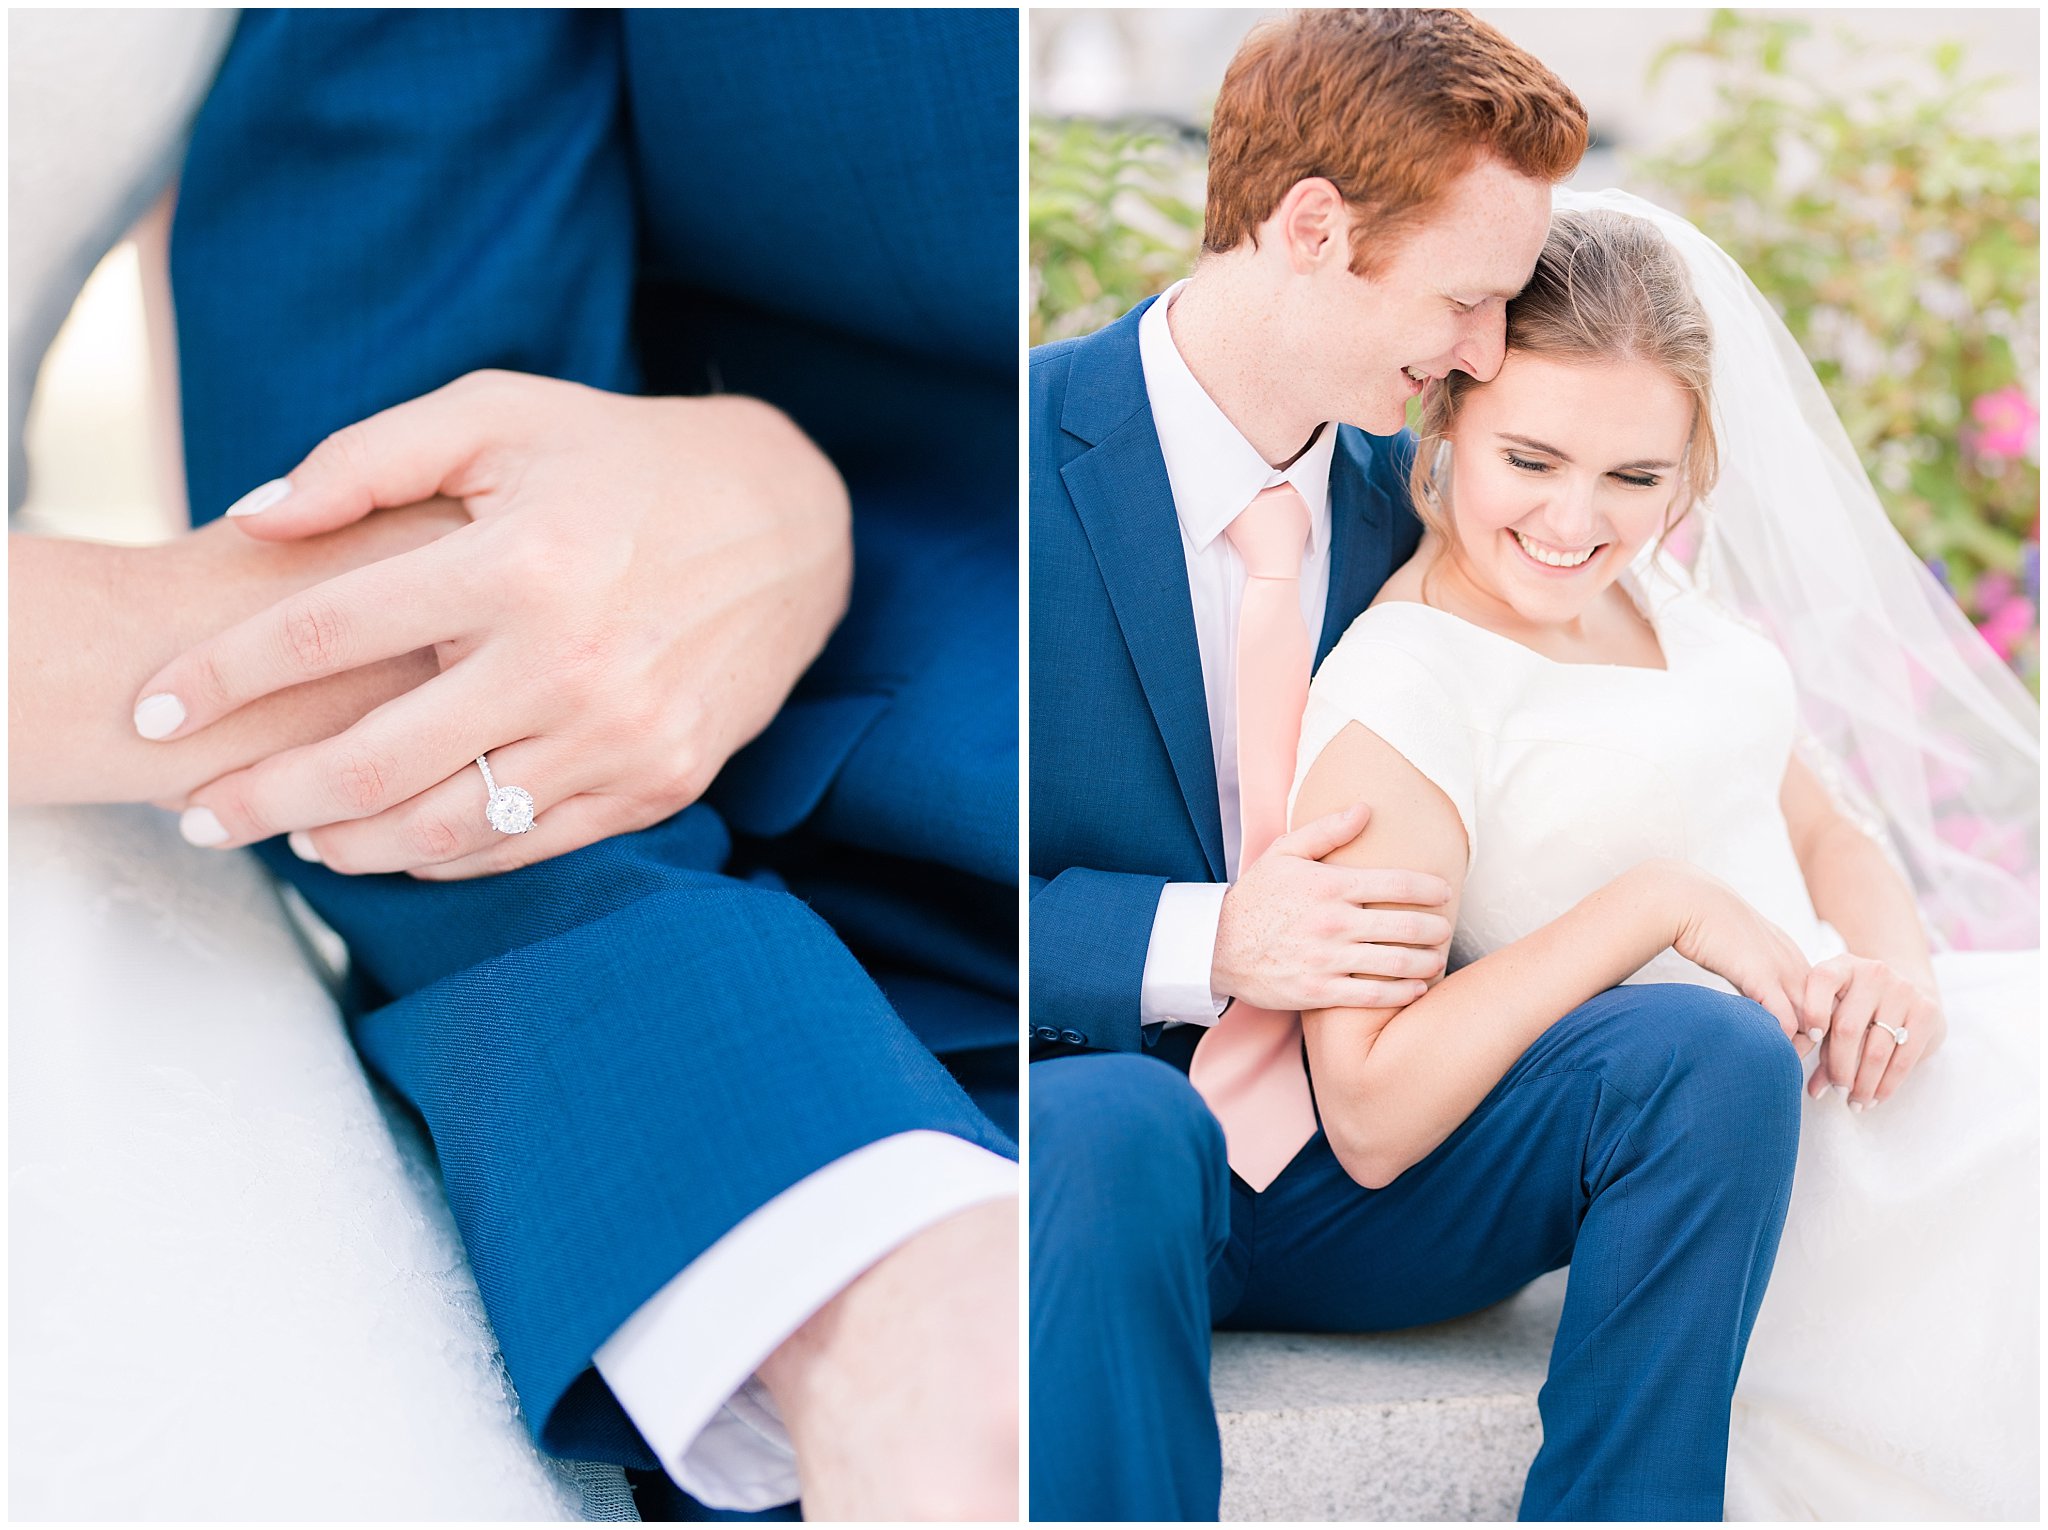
{"x":1862,"y":997}
{"x":1715,"y":928}
{"x":641,"y":583}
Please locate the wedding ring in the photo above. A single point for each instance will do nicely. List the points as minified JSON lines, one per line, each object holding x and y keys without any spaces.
{"x":510,"y":808}
{"x":1898,"y":1032}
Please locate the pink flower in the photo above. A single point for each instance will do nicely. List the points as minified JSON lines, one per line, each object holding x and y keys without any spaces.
{"x":2004,"y":627}
{"x":2005,"y":422}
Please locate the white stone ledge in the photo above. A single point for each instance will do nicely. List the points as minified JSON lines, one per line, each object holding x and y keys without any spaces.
{"x":1434,"y":1423}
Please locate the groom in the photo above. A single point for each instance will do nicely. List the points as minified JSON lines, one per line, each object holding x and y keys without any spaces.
{"x":1378,"y":188}
{"x":688,"y":1083}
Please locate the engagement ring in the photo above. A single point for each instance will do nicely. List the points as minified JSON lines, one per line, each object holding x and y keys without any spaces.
{"x":510,"y":809}
{"x":1898,"y":1032}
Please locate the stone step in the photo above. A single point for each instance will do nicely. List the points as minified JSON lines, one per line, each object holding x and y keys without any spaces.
{"x":1434,"y":1423}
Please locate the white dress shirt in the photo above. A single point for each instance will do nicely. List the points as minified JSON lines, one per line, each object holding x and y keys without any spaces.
{"x":1215,"y":473}
{"x":683,"y":1365}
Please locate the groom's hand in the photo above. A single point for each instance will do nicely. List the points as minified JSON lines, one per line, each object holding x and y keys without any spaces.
{"x":640,"y":585}
{"x":1296,"y":934}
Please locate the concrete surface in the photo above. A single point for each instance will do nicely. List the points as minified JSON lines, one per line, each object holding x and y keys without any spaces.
{"x":1434,"y":1423}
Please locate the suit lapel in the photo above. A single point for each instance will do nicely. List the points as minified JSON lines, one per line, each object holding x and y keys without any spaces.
{"x":1362,"y":521}
{"x":1120,"y":492}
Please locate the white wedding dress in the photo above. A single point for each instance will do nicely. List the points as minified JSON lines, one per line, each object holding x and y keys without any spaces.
{"x":1894,"y":1369}
{"x":236,"y":1291}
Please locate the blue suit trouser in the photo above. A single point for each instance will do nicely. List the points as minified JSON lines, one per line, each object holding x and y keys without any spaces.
{"x":1647,"y":1140}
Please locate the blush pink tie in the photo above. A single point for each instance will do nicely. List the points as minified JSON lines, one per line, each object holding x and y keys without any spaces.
{"x":1248,"y":1067}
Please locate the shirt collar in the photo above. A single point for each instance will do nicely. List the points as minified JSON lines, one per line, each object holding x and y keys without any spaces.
{"x":1213,"y":471}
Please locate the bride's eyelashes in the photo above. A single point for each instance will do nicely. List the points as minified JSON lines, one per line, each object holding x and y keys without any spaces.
{"x":1634,"y":480}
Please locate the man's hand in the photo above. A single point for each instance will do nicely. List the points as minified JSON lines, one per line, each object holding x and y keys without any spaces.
{"x":641,"y":584}
{"x":1296,"y":934}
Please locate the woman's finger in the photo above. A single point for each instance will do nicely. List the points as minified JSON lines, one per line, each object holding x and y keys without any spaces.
{"x":1879,"y":1048}
{"x":1824,"y":985}
{"x":1903,"y":1061}
{"x":402,"y":748}
{"x":370,"y":613}
{"x":1774,"y":998}
{"x":1920,"y":1019}
{"x":439,"y":443}
{"x":1843,"y":1051}
{"x":449,"y":820}
{"x":570,"y":825}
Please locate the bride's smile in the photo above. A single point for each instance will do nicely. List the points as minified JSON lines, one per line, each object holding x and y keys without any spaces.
{"x":1559,"y":473}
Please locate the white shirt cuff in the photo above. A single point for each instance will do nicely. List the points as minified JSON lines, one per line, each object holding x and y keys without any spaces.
{"x":682,"y":1366}
{"x":1180,"y":955}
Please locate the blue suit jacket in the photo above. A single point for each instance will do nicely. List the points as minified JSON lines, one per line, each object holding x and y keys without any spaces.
{"x":622,"y":1052}
{"x":1123,"y":776}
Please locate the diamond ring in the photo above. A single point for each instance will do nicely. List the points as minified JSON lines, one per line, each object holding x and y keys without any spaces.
{"x":1898,"y":1032}
{"x":510,"y":809}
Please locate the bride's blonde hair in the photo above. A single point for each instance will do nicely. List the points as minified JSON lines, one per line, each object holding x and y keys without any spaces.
{"x":1607,"y":287}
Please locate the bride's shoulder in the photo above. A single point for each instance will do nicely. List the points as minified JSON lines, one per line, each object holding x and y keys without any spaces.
{"x":1397,"y":650}
{"x":1400,"y":618}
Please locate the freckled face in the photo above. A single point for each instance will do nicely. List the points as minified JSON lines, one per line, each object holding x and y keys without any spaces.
{"x":1437,"y":305}
{"x":1560,"y":473}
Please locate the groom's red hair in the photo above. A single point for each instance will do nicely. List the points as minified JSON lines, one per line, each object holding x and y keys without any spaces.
{"x":1390,"y":106}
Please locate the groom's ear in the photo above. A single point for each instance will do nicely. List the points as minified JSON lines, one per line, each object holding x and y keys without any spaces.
{"x":1312,"y":225}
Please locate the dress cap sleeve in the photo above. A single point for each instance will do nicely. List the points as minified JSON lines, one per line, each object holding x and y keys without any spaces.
{"x":1375,"y":678}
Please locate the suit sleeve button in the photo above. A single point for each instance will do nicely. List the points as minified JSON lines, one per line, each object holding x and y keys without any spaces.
{"x":1074,"y":1038}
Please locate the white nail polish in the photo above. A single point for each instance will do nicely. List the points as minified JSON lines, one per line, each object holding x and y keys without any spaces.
{"x":200,"y":827}
{"x":1817,"y":1035}
{"x":262,"y":497}
{"x":1857,"y":1106}
{"x":158,"y":716}
{"x":303,"y":846}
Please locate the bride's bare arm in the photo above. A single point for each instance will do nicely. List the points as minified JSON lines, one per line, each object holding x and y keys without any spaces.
{"x":88,"y":623}
{"x":1853,"y":886}
{"x":1393,"y":1084}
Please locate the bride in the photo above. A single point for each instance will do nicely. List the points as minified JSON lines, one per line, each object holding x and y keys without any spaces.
{"x":1750,"y":769}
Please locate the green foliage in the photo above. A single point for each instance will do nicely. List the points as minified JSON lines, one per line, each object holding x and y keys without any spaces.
{"x":1115,"y":217}
{"x":1902,"y":247}
{"x":1900,"y":244}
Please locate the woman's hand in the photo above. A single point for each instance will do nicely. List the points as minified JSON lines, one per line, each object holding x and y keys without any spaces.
{"x":641,"y":584}
{"x":1862,"y":997}
{"x":88,"y":620}
{"x":1716,"y":929}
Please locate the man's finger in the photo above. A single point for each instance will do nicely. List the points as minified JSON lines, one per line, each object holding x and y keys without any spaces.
{"x":1401,"y":927}
{"x":370,"y":613}
{"x":1392,"y":885}
{"x":1394,"y":961}
{"x":434,"y":444}
{"x":1319,"y":836}
{"x":1369,"y":993}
